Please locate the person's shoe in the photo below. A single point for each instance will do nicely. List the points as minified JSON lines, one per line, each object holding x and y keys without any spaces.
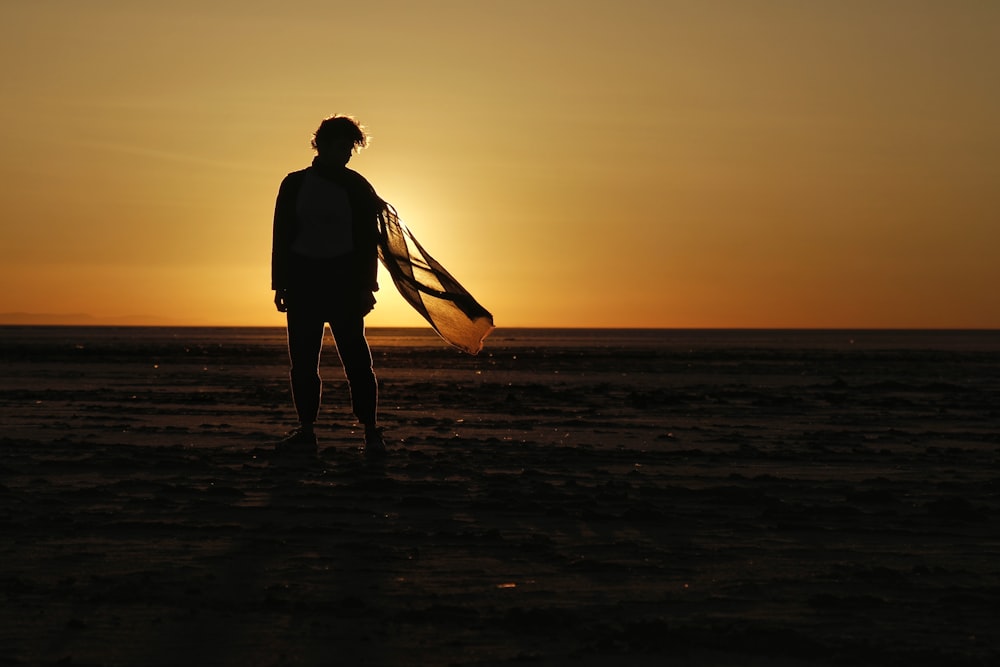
{"x":374,"y":443}
{"x":298,"y":441}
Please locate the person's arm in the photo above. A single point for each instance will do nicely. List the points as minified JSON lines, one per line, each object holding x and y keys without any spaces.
{"x":284,"y":228}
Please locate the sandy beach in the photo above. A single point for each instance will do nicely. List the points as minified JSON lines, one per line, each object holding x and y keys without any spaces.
{"x":565,"y":498}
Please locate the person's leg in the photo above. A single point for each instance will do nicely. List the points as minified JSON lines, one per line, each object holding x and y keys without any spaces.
{"x":356,"y":357}
{"x":305,"y":344}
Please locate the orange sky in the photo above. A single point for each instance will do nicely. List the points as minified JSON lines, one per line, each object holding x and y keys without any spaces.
{"x":573,"y":163}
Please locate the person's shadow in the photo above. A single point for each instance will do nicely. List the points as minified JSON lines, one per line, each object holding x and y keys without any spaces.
{"x":305,"y":578}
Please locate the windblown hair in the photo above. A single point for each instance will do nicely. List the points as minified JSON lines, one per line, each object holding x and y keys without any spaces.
{"x":340,"y":130}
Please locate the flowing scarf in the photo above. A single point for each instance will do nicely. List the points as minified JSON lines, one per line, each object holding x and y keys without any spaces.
{"x":429,"y":288}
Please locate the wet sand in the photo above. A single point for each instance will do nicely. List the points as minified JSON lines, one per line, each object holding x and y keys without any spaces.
{"x":565,"y":498}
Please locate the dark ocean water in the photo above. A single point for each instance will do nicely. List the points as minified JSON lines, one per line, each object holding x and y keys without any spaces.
{"x":665,"y":339}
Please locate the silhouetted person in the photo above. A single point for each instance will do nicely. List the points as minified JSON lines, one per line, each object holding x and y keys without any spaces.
{"x":324,"y":263}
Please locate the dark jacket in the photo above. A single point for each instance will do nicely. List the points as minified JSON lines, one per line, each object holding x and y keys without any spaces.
{"x":365,"y":207}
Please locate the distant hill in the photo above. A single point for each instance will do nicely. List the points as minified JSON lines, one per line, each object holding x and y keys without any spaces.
{"x":79,"y":319}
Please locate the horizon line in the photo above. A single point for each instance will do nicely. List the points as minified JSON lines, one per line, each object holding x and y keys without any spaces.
{"x":429,"y":330}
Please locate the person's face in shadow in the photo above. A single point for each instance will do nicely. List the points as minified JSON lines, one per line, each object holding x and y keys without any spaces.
{"x":336,"y":151}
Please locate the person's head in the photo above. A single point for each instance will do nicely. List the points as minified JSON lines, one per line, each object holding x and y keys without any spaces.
{"x":337,"y":137}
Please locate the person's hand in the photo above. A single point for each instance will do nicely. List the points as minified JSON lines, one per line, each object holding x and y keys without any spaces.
{"x":367,"y":302}
{"x":279,"y":301}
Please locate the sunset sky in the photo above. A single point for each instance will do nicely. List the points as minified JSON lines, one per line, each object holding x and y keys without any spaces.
{"x":573,"y":163}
